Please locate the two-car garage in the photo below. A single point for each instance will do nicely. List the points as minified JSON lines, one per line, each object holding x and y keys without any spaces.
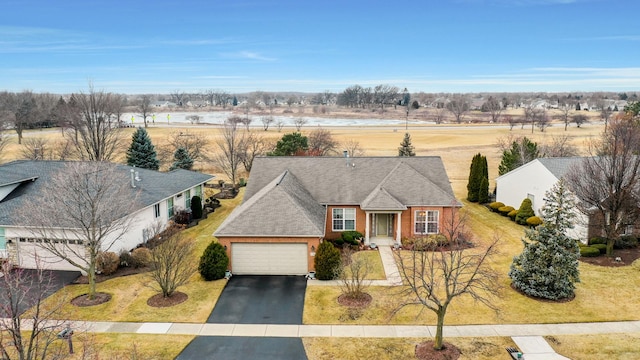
{"x":250,"y":258}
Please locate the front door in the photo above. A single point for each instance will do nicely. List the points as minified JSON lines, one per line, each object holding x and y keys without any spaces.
{"x":383,"y":222}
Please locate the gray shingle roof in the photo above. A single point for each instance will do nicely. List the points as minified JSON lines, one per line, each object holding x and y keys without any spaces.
{"x":416,"y":180}
{"x":286,"y":196}
{"x":282,"y":208}
{"x":153,"y":187}
{"x":561,"y":165}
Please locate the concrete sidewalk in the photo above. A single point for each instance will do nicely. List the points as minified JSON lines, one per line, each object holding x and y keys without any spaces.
{"x":381,"y":331}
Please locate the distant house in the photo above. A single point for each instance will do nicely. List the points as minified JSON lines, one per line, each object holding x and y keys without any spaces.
{"x":163,"y":104}
{"x":292,"y":203}
{"x":197,"y":103}
{"x":160,"y":195}
{"x":534,"y":179}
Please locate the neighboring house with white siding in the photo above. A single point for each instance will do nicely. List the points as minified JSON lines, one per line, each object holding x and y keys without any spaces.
{"x":532,"y":180}
{"x":159,"y":196}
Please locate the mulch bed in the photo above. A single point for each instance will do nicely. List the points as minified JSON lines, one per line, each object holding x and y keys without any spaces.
{"x":160,"y":301}
{"x":122,"y":271}
{"x":83,"y":300}
{"x":360,"y":303}
{"x":425,"y":351}
{"x":627,"y":257}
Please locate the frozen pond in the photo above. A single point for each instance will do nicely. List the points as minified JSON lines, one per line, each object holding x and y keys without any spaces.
{"x":219,"y":117}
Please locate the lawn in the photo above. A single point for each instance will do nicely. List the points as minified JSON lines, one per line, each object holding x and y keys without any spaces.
{"x":596,"y":347}
{"x":400,"y":348}
{"x":125,"y":346}
{"x":130,"y":293}
{"x":376,"y":271}
{"x":600,"y":289}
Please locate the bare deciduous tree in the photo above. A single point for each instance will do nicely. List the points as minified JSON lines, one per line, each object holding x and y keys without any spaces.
{"x":178,"y":96}
{"x":299,"y":122}
{"x":81,"y":212}
{"x":435,"y":278}
{"x":229,"y":155}
{"x":194,"y":119}
{"x":97,"y":134}
{"x":172,"y":264}
{"x":28,"y":335}
{"x":35,"y":148}
{"x":266,"y":121}
{"x":559,"y":146}
{"x":579,"y":119}
{"x":252,"y":145}
{"x":565,"y":110}
{"x":321,"y":142}
{"x":144,"y":108}
{"x":605,"y":113}
{"x":458,"y":106}
{"x":353,"y":148}
{"x":439,"y":114}
{"x":494,"y":108}
{"x":280,"y":124}
{"x":608,"y":182}
{"x":353,"y":275}
{"x":541,"y":119}
{"x":195,"y":144}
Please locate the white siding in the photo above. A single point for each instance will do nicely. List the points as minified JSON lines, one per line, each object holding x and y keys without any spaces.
{"x":533,"y":180}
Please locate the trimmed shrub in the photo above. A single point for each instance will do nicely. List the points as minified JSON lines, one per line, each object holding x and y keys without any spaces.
{"x":196,"y":207}
{"x":597,"y":240}
{"x":534,"y":221}
{"x":505,"y":210}
{"x":589,"y":251}
{"x":107,"y":262}
{"x":430,"y":242}
{"x":141,"y":257}
{"x":626,"y":242}
{"x":213,"y":262}
{"x":351,"y":237}
{"x":494,"y":206}
{"x":525,"y":211}
{"x":125,"y":258}
{"x":327,"y":261}
{"x":601,"y":247}
{"x":513,"y":214}
{"x":182,"y":217}
{"x":338,"y":242}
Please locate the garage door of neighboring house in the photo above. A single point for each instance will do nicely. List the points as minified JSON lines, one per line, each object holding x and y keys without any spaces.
{"x":32,"y":256}
{"x":269,"y":259}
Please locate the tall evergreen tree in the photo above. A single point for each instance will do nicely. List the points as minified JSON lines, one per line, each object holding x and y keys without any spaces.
{"x":142,"y":153}
{"x":406,"y":149}
{"x":521,"y":152}
{"x":291,"y":145}
{"x":478,"y":185}
{"x":182,"y":160}
{"x":548,"y":265}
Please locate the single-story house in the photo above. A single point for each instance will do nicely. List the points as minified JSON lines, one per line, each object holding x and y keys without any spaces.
{"x":532,"y":181}
{"x":292,"y":203}
{"x":159,"y":196}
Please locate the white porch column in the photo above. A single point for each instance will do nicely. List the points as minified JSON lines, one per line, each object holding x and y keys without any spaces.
{"x":366,"y":228}
{"x":399,"y":228}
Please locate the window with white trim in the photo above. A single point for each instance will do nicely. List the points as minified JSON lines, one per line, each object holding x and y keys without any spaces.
{"x":187,"y":199}
{"x":426,"y":222}
{"x":156,"y":210}
{"x":3,"y":240}
{"x":343,"y":219}
{"x":170,"y":207}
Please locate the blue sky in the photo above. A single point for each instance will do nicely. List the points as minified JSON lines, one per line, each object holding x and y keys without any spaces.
{"x":311,"y":46}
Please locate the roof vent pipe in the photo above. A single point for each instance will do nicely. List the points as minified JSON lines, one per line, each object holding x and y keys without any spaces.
{"x":133,"y":181}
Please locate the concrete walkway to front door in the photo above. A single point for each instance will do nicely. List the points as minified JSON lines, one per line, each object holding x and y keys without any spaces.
{"x":390,"y":269}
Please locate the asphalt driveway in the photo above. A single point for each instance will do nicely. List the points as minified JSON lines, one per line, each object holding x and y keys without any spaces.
{"x":261,"y":300}
{"x":30,"y":288}
{"x":243,"y":348}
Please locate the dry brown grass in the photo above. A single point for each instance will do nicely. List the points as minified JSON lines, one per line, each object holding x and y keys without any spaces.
{"x":130,"y":293}
{"x":400,"y":348}
{"x":596,"y":347}
{"x":125,"y":346}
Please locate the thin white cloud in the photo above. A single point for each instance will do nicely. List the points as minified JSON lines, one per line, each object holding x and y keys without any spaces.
{"x":249,"y":55}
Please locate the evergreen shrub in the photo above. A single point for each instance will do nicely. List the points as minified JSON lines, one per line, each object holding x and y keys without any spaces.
{"x":327,"y":261}
{"x":525,"y":211}
{"x":513,"y":214}
{"x":213,"y":262}
{"x":626,"y":242}
{"x":533,"y":221}
{"x":505,"y":210}
{"x":494,"y":206}
{"x":601,"y":247}
{"x":589,"y":251}
{"x":196,"y":207}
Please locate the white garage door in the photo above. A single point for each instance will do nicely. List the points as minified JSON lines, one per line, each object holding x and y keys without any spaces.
{"x":269,"y":259}
{"x":32,"y":256}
